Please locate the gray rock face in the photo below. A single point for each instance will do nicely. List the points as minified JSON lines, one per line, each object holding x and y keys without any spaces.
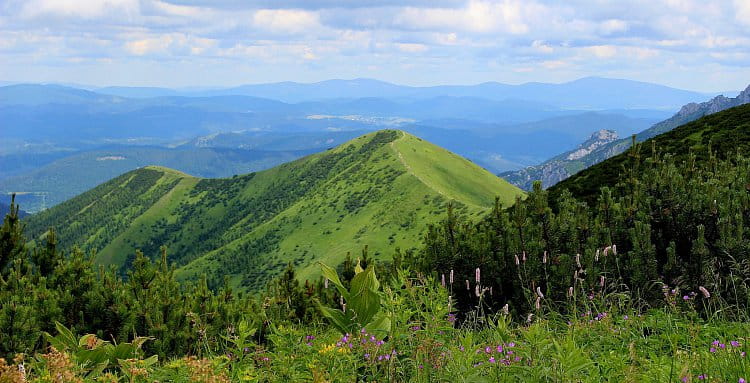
{"x":561,"y":166}
{"x":604,"y":144}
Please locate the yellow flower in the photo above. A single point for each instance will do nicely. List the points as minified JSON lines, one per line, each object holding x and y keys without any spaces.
{"x":327,"y":349}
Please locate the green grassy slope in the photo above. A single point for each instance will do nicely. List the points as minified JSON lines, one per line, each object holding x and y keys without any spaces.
{"x":725,"y":133}
{"x":378,"y":190}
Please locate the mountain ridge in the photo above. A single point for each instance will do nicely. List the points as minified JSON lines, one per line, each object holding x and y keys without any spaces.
{"x":557,"y":169}
{"x":377,"y":190}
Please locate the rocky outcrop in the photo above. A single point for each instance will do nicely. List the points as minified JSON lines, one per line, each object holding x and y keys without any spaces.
{"x":604,"y":144}
{"x":561,"y":166}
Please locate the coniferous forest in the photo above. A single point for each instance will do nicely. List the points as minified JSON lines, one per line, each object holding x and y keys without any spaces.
{"x":648,"y":279}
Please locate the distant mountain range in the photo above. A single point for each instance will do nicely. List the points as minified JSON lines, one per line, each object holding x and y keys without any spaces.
{"x":379,"y":190}
{"x":587,"y":93}
{"x":605,"y":145}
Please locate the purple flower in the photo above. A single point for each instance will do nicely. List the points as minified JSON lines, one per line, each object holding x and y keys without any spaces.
{"x":367,"y":356}
{"x":735,"y":343}
{"x":499,"y":348}
{"x":487,"y":349}
{"x":511,"y":344}
{"x":701,"y":377}
{"x":452,"y":318}
{"x":712,"y":349}
{"x":742,"y":380}
{"x":685,"y":298}
{"x":684,"y":379}
{"x":722,"y":346}
{"x":492,"y":359}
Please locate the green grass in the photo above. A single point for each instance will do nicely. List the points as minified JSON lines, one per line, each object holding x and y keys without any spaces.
{"x":379,"y":190}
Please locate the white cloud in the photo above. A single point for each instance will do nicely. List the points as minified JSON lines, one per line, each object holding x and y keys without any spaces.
{"x":286,"y":20}
{"x":508,"y":16}
{"x":79,"y":8}
{"x":411,"y":48}
{"x":742,"y":14}
{"x":602,"y":51}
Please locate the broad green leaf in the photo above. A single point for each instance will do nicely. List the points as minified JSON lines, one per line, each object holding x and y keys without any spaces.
{"x":333,"y":277}
{"x":338,"y":318}
{"x":380,"y":324}
{"x":364,"y":298}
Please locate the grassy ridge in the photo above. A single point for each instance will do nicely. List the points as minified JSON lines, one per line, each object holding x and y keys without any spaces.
{"x":378,"y":190}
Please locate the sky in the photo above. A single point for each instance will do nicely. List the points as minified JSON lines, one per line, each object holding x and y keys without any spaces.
{"x":697,"y":45}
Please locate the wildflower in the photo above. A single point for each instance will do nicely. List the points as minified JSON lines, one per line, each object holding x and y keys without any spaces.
{"x":414,"y":328}
{"x":570,"y":291}
{"x":578,"y":260}
{"x":442,"y":280}
{"x":743,"y":354}
{"x":742,"y":380}
{"x":517,"y":261}
{"x":538,"y":303}
{"x":544,"y":257}
{"x":601,"y":280}
{"x":505,"y":309}
{"x":476,"y":291}
{"x":539,"y":292}
{"x":477,"y":275}
{"x":451,"y":278}
{"x":705,"y":292}
{"x":684,"y":379}
{"x":524,"y":256}
{"x":685,"y":298}
{"x":487,"y":350}
{"x":614,"y":249}
{"x":512,"y":344}
{"x":596,"y":256}
{"x":421,"y":366}
{"x":367,"y":356}
{"x":529,"y":318}
{"x":452,"y":318}
{"x":606,"y":249}
{"x":722,"y":346}
{"x":712,"y":350}
{"x":701,"y":377}
{"x":492,"y":359}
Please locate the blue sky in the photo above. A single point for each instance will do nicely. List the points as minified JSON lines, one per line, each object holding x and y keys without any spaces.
{"x":698,"y":45}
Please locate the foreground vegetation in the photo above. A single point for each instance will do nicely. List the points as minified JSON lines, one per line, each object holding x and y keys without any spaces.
{"x":605,"y":341}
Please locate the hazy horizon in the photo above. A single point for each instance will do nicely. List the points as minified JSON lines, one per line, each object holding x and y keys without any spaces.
{"x":94,"y":87}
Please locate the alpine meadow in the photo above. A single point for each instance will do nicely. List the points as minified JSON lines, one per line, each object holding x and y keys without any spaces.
{"x":374,"y":191}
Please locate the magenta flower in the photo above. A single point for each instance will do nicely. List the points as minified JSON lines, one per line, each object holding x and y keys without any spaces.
{"x":492,"y":359}
{"x":735,"y":343}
